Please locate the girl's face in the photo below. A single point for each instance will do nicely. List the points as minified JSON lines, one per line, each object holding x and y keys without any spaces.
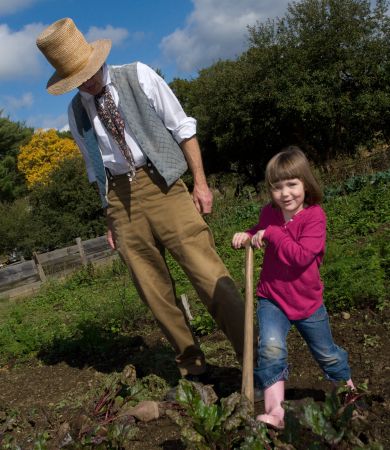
{"x":289,"y":195}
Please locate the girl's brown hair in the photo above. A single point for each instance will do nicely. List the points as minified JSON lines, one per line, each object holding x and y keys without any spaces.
{"x":290,"y":163}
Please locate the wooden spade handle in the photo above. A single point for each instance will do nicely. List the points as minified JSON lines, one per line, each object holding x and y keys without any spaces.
{"x":247,"y":366}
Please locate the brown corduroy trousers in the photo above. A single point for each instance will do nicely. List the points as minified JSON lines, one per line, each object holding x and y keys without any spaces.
{"x":146,"y":219}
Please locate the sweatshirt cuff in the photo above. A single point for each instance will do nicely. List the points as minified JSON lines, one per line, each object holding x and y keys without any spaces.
{"x":250,"y":233}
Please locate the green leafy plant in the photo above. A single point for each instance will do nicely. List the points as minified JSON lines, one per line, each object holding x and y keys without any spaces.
{"x":9,"y":443}
{"x":42,"y":441}
{"x":208,"y":425}
{"x":125,"y":390}
{"x":357,"y":183}
{"x":108,"y":423}
{"x":339,"y":422}
{"x":203,"y":324}
{"x":112,"y":437}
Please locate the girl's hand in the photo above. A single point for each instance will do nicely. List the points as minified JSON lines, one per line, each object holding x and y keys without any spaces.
{"x":257,"y":239}
{"x":240,"y":239}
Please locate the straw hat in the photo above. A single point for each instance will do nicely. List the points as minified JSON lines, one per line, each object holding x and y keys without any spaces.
{"x":74,"y":59}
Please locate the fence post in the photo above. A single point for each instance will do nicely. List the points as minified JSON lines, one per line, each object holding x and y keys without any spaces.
{"x":83,"y":256}
{"x":39,"y":268}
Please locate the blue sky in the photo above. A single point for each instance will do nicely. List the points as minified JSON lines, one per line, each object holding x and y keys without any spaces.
{"x":177,"y":36}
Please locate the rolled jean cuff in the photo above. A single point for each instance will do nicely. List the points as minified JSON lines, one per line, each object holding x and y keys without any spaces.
{"x":345,"y":377}
{"x":283,"y":375}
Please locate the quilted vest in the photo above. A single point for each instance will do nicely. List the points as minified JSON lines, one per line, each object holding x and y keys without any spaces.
{"x":154,"y":139}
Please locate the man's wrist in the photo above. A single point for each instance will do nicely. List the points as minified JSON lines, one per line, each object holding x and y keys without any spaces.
{"x":200,"y":183}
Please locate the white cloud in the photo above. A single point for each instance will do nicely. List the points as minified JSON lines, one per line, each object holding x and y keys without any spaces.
{"x":216,"y":29}
{"x":47,"y":122}
{"x":65,"y":127}
{"x":55,"y":122}
{"x":138,"y":35}
{"x":19,"y":56}
{"x":14,"y":103}
{"x":12,"y":6}
{"x":117,"y":35}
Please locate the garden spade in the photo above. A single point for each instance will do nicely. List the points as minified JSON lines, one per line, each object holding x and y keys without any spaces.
{"x":247,"y":366}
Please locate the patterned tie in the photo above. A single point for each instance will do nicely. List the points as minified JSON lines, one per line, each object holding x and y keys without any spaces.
{"x":109,"y":115}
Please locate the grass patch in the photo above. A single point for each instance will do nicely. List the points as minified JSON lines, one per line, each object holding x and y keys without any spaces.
{"x":77,"y":312}
{"x":96,"y":310}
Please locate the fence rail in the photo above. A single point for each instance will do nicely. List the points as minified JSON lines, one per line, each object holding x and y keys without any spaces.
{"x":26,"y":277}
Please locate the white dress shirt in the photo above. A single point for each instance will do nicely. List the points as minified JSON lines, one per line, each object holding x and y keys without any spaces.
{"x":161,"y":98}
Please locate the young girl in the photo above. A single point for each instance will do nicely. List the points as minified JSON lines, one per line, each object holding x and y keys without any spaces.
{"x":292,"y":230}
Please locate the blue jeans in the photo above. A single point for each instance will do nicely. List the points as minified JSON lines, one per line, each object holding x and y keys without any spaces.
{"x":274,"y":326}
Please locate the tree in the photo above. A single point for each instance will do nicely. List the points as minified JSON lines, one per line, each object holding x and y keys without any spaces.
{"x":17,"y":228}
{"x":329,"y":72}
{"x":159,"y":72}
{"x":43,"y":153}
{"x":65,"y":134}
{"x":66,"y":206}
{"x":317,"y":77}
{"x":214,"y":100}
{"x":54,"y":213}
{"x":12,"y":135}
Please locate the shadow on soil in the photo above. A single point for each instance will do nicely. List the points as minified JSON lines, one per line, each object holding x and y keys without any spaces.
{"x":317,"y":395}
{"x":175,"y":444}
{"x":110,"y":352}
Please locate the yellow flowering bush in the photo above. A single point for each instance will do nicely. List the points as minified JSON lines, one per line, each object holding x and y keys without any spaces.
{"x":43,"y":153}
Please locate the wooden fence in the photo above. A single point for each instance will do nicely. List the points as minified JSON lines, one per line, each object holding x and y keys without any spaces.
{"x":24,"y":278}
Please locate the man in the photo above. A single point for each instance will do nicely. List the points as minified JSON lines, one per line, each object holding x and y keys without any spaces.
{"x":137,"y":141}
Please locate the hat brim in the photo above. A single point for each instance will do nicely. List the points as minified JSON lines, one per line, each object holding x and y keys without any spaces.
{"x":60,"y":85}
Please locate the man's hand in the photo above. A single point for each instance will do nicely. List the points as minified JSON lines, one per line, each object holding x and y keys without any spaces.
{"x":202,"y":196}
{"x":111,"y":239}
{"x":203,"y":199}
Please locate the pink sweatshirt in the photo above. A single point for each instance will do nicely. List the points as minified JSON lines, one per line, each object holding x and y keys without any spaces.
{"x":294,"y":252}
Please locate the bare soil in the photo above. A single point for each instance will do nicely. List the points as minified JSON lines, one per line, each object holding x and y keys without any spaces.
{"x":51,"y":390}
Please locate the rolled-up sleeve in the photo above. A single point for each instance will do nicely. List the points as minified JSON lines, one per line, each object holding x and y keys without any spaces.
{"x":166,"y":104}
